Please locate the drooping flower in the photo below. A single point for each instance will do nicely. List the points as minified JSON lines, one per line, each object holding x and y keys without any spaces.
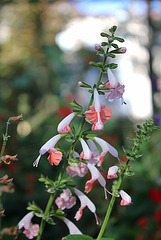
{"x":96,"y":176}
{"x":126,"y":199}
{"x":63,"y":126}
{"x":98,"y":114}
{"x":72,"y":228}
{"x":116,"y":90}
{"x":106,"y":147}
{"x":86,"y":154}
{"x":49,"y":147}
{"x":85,"y":202}
{"x":112,"y":172}
{"x":66,"y":200}
{"x":31,"y":230}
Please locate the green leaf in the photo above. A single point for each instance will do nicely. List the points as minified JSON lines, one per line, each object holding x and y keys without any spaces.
{"x":105,"y":35}
{"x":119,"y":39}
{"x":113,"y":29}
{"x":114,"y":45}
{"x":104,"y":44}
{"x":78,"y":237}
{"x":110,"y":55}
{"x":112,"y":65}
{"x":107,"y":238}
{"x":75,"y":104}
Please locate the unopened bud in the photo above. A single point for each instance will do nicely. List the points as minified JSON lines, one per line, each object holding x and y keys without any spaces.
{"x":110,"y":39}
{"x":101,"y":86}
{"x":97,"y":46}
{"x":123,"y":49}
{"x":80,"y":83}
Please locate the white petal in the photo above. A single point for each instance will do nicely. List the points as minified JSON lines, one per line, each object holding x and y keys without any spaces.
{"x":85,"y":201}
{"x":25,"y":221}
{"x":86,"y":150}
{"x":49,"y":144}
{"x":71,"y":226}
{"x":65,"y":121}
{"x":103,"y":144}
{"x":93,"y":147}
{"x":97,"y":102}
{"x":112,"y":151}
{"x":112,"y":80}
{"x":96,"y":174}
{"x":112,"y":170}
{"x":125,"y":196}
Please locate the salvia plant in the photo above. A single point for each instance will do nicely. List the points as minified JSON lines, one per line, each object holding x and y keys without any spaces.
{"x":63,"y":191}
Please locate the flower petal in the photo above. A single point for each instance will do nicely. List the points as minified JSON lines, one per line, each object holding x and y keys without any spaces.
{"x":63,"y":126}
{"x":72,"y":228}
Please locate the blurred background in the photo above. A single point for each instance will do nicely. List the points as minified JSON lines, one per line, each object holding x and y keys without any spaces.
{"x":45,"y":50}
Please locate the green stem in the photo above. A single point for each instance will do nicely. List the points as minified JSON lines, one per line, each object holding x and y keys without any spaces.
{"x":42,"y":225}
{"x":108,"y":213}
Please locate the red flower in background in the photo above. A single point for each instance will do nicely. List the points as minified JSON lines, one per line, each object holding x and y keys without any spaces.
{"x":142,"y":222}
{"x":139,"y":238}
{"x":155,"y":195}
{"x":64,"y":111}
{"x":157,"y":215}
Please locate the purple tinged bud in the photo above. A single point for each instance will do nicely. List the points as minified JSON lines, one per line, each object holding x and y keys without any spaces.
{"x":123,"y":49}
{"x":97,"y":46}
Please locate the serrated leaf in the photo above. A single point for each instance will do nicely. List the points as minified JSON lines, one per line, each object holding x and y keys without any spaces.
{"x":78,"y":237}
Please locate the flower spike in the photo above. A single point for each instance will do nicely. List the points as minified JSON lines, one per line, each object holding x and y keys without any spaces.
{"x":63,"y":126}
{"x":48,"y":146}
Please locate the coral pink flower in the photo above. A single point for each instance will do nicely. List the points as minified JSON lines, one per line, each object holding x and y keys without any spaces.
{"x":66,"y":200}
{"x":72,"y":228}
{"x":86,"y":154}
{"x":48,"y":147}
{"x":116,"y":90}
{"x":63,"y":126}
{"x":126,"y":199}
{"x":106,"y":147}
{"x":96,"y":176}
{"x":85,"y":202}
{"x":78,"y":169}
{"x":54,"y":156}
{"x":98,"y":114}
{"x":31,"y":230}
{"x":112,"y":172}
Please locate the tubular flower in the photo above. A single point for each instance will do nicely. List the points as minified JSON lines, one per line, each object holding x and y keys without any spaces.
{"x":98,"y":114}
{"x":72,"y":228}
{"x":85,"y":202}
{"x":31,"y":230}
{"x":112,"y":172}
{"x":96,"y":175}
{"x":106,"y":147}
{"x":86,"y":154}
{"x":54,"y":156}
{"x":66,"y":200}
{"x":116,"y":90}
{"x":63,"y":126}
{"x":126,"y":199}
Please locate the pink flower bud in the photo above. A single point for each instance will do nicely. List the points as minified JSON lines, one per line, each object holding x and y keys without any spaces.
{"x":110,"y":39}
{"x":80,"y":83}
{"x":123,"y":49}
{"x":101,"y":86}
{"x":97,"y":46}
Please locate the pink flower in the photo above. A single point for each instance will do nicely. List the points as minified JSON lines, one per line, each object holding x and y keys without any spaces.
{"x":123,"y":49}
{"x":98,"y":114}
{"x":112,"y":172}
{"x":85,"y":202}
{"x":31,"y":230}
{"x":126,"y":199}
{"x":63,"y":126}
{"x":106,"y":147}
{"x":96,"y":176}
{"x":97,"y":46}
{"x":72,"y":228}
{"x":66,"y":200}
{"x":78,"y":169}
{"x":86,"y":154}
{"x":54,"y":156}
{"x":116,"y":90}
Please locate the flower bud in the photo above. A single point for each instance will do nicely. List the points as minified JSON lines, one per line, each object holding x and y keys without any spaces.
{"x":123,"y":49}
{"x":80,"y":83}
{"x":97,"y":46}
